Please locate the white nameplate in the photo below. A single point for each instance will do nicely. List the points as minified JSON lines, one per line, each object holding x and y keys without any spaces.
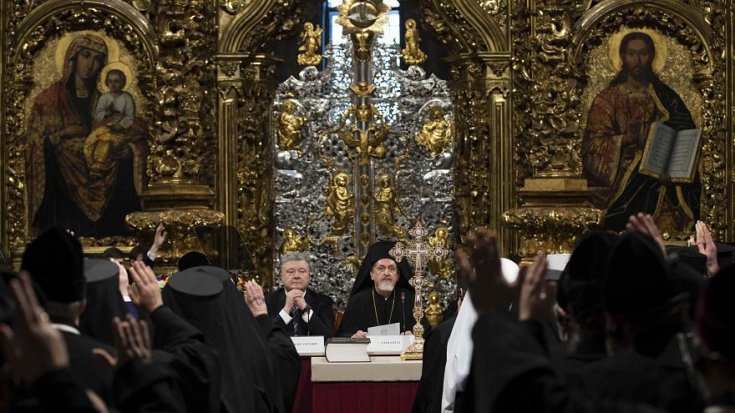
{"x":388,"y":345}
{"x":309,"y":345}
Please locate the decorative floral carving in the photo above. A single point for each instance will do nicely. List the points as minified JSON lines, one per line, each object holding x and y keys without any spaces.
{"x":549,"y":229}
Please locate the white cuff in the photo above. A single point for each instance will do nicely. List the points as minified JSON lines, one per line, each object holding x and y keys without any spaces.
{"x":285,"y":317}
{"x":306,"y":316}
{"x":151,"y":255}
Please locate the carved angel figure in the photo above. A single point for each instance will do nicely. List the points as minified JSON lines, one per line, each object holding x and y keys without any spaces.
{"x":412,"y":54}
{"x":340,"y":203}
{"x":436,"y":133}
{"x":311,"y":38}
{"x":434,"y":312}
{"x":292,"y":242}
{"x":385,"y":206}
{"x":289,"y":127}
{"x":442,"y":267}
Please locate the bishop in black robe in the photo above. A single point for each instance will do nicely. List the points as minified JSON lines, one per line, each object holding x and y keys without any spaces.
{"x":368,"y":308}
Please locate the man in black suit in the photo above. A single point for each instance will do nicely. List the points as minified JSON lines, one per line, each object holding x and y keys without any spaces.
{"x":299,"y":309}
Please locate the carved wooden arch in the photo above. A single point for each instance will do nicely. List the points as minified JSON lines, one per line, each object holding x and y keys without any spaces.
{"x":493,"y":37}
{"x":235,"y":36}
{"x":679,"y":9}
{"x":464,"y":25}
{"x":130,"y":15}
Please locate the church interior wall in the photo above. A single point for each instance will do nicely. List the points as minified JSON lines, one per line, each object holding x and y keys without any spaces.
{"x":523,"y":77}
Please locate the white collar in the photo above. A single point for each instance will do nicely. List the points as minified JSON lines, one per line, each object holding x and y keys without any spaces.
{"x":719,"y":409}
{"x":66,"y":328}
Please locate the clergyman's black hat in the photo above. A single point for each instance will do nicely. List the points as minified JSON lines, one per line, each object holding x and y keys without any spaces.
{"x":378,"y":251}
{"x":56,"y":263}
{"x":580,"y":285}
{"x":638,"y":281}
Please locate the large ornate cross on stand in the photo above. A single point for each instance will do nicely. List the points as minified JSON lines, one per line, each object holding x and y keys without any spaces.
{"x":418,"y":253}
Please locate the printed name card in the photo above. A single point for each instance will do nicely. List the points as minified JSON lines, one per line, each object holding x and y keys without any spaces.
{"x":309,"y":345}
{"x":388,"y":345}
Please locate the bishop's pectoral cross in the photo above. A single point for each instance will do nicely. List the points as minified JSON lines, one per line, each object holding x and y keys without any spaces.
{"x":418,"y":253}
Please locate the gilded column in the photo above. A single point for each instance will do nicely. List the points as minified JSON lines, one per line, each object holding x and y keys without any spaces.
{"x":181,"y":163}
{"x":253,"y":171}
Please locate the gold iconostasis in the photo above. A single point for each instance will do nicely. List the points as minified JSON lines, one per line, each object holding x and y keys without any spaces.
{"x":546,"y":121}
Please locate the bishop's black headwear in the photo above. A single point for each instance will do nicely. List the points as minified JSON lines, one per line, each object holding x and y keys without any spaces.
{"x":56,"y":264}
{"x":377,"y":251}
{"x":580,"y":285}
{"x":638,"y":280}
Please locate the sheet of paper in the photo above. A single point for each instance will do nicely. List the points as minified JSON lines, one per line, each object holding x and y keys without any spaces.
{"x":385,"y":330}
{"x":309,"y":345}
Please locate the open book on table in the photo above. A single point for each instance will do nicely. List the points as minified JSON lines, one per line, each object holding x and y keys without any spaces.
{"x":671,"y":153}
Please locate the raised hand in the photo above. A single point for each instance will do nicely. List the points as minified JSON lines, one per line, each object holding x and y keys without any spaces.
{"x":255,"y":299}
{"x":132,"y":339}
{"x":147,"y":292}
{"x":479,"y":262}
{"x":706,"y":246}
{"x":537,"y":296}
{"x":644,"y":224}
{"x":158,"y":239}
{"x":35,"y":347}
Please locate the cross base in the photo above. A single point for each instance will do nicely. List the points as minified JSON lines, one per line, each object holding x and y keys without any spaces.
{"x":415,"y":351}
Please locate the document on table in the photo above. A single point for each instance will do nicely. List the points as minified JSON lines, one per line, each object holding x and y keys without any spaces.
{"x":385,"y":330}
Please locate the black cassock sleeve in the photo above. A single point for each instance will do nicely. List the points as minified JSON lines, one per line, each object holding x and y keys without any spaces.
{"x":147,"y":386}
{"x":58,"y":391}
{"x":286,"y":360}
{"x":511,"y":372}
{"x":350,"y":322}
{"x":196,"y":364}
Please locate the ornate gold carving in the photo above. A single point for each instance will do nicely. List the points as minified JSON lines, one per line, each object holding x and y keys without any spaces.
{"x":253,"y":165}
{"x":418,"y":254}
{"x":340,"y":203}
{"x":436,"y":133}
{"x":441,"y":267}
{"x":311,"y":39}
{"x":289,"y":127}
{"x":386,"y":204}
{"x":234,"y":6}
{"x":362,"y":89}
{"x":366,"y":143}
{"x":412,"y":53}
{"x":360,"y":16}
{"x":293,"y":242}
{"x":549,"y":229}
{"x":491,"y":6}
{"x":434,"y":311}
{"x":180,"y":225}
{"x":186,"y":34}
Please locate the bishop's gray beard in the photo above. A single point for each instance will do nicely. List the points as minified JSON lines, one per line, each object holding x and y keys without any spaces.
{"x":386,"y":287}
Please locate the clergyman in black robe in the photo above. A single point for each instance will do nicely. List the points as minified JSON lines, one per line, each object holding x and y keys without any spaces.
{"x":381,"y":294}
{"x":248,"y":383}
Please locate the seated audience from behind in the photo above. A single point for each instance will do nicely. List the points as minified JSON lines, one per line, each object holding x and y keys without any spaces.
{"x":300,"y":310}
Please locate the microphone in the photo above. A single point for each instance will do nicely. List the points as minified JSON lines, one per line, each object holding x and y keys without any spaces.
{"x":403,"y":310}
